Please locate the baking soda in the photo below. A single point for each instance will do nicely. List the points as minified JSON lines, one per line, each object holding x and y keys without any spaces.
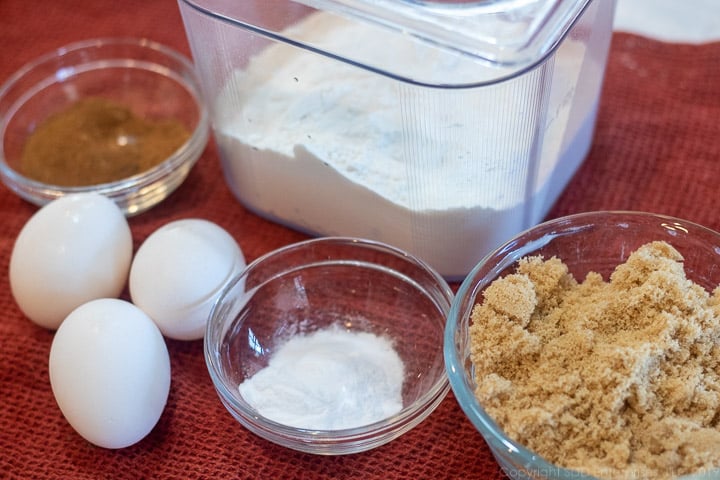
{"x":446,"y":174}
{"x":328,"y":380}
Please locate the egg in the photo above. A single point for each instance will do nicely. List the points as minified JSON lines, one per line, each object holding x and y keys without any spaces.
{"x":110,"y":372}
{"x":73,"y":250}
{"x":178,"y":273}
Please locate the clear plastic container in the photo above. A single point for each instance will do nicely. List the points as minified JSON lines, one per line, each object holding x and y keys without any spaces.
{"x":442,"y":128}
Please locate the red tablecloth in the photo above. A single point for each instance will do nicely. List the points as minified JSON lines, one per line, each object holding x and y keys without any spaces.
{"x":657,"y":148}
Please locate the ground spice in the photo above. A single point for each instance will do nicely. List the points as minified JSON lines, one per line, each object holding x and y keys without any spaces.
{"x":97,"y":141}
{"x":617,"y":379}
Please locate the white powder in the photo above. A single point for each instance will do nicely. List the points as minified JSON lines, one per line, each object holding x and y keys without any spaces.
{"x":329,"y":380}
{"x":446,"y":174}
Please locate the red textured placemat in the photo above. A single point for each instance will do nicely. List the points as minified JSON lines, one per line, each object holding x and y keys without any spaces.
{"x":657,"y":148}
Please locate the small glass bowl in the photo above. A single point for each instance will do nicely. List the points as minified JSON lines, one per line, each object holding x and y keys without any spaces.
{"x":585,"y":242}
{"x":359,"y":285}
{"x":150,"y":79}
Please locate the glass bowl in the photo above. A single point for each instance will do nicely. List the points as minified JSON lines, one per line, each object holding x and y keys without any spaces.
{"x":595,"y":241}
{"x":150,"y":80}
{"x":354,"y":285}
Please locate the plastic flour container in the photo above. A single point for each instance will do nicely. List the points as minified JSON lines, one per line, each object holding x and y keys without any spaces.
{"x":443,"y":128}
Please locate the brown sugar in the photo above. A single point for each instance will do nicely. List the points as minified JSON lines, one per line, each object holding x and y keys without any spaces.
{"x":617,"y":379}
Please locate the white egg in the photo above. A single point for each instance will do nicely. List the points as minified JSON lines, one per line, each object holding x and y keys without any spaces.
{"x":179,"y":271}
{"x":74,"y":249}
{"x":110,"y":372}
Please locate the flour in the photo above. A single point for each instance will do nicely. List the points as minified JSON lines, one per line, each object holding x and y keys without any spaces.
{"x":329,"y":380}
{"x":447,"y":174}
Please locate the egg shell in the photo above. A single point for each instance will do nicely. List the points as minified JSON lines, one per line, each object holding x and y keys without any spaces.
{"x":73,"y":250}
{"x":110,"y":372}
{"x":178,"y":273}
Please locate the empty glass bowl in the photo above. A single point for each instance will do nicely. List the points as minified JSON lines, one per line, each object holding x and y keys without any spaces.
{"x":595,"y":241}
{"x":352,"y":284}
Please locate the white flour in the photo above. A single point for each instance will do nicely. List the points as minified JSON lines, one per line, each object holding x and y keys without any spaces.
{"x":333,"y":149}
{"x":329,"y":380}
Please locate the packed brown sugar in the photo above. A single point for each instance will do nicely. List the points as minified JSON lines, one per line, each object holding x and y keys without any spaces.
{"x":617,"y":379}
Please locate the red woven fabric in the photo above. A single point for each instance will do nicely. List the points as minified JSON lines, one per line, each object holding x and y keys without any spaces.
{"x":656,"y":148}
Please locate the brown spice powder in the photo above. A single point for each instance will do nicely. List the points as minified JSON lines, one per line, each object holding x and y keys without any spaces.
{"x":616,"y":379}
{"x":98,"y":141}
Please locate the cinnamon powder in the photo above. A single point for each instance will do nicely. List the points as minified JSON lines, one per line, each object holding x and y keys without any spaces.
{"x":97,"y":141}
{"x":616,"y":379}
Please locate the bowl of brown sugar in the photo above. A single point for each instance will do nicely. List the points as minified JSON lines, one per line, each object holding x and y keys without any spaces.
{"x":122,"y":117}
{"x":589,"y":347}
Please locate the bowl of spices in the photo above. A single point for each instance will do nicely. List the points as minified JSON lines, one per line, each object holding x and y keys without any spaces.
{"x":330,"y":346}
{"x":121,"y":117}
{"x":587,"y":347}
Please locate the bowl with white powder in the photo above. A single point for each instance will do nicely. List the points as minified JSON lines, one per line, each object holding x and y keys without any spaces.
{"x":330,"y":346}
{"x":587,"y":347}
